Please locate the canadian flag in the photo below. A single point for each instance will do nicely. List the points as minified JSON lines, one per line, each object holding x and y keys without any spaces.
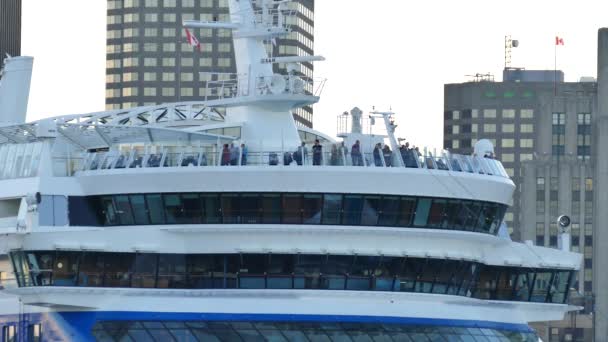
{"x":192,"y":40}
{"x":559,"y":41}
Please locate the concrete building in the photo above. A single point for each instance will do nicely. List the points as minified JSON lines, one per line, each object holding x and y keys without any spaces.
{"x":550,"y":136}
{"x":10,"y":28}
{"x":148,"y":61}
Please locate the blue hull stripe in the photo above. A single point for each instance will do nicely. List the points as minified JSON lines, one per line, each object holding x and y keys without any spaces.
{"x":78,"y":325}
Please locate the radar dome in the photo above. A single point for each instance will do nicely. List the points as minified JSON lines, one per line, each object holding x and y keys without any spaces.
{"x":484,"y":147}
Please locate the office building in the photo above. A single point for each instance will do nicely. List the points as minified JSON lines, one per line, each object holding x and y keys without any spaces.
{"x":149,"y":62}
{"x":10,"y":28}
{"x":550,"y":136}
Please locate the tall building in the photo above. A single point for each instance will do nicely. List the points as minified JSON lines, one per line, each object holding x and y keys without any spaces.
{"x":550,"y":137}
{"x":10,"y":28}
{"x":148,"y":61}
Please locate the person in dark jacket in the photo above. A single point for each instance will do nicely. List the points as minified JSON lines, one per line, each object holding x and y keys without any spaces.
{"x":355,"y":154}
{"x":378,"y":155}
{"x":317,"y":153}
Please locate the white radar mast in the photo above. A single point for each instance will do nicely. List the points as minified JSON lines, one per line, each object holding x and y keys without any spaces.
{"x":263,"y":101}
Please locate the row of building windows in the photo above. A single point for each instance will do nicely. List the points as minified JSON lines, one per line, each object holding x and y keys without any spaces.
{"x":488,"y":114}
{"x":504,"y":143}
{"x":287,"y":208}
{"x":118,"y":4}
{"x":221,"y":62}
{"x":291,"y":271}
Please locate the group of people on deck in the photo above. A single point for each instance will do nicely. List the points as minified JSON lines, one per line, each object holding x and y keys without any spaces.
{"x":382,"y":155}
{"x":231,"y":154}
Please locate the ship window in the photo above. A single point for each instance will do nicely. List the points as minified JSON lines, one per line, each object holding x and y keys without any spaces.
{"x":422,"y":212}
{"x":212,"y":211}
{"x":173,"y":208}
{"x":192,"y":209}
{"x":172,"y":271}
{"x":117,"y":269}
{"x":332,"y":209}
{"x":91,"y":270}
{"x":65,"y":268}
{"x":389,"y":211}
{"x":250,"y":208}
{"x":541,"y":286}
{"x":230,"y":208}
{"x":271,"y":208}
{"x":311,"y":209}
{"x":352,"y":210}
{"x":292,"y":212}
{"x":34,"y":332}
{"x":9,"y":333}
{"x":371,"y":210}
{"x":156,"y":209}
{"x":144,"y":275}
{"x":140,"y":212}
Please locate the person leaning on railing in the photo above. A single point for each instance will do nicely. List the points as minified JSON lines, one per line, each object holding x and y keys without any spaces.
{"x":355,"y":154}
{"x":317,"y":153}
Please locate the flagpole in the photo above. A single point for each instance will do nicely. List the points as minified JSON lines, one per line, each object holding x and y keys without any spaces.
{"x":555,"y":67}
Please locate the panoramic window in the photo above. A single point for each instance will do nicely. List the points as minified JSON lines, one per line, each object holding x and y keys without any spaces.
{"x":291,"y":271}
{"x":287,"y":208}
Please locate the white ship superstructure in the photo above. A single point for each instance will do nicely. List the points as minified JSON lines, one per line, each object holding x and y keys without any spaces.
{"x":212,"y":221}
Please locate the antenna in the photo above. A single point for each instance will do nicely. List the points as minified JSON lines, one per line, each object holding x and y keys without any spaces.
{"x":509,"y":45}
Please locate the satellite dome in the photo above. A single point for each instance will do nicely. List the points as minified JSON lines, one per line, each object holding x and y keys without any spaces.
{"x":484,"y":147}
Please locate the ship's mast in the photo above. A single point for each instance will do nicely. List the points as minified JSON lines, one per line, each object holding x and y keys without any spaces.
{"x":264,"y":100}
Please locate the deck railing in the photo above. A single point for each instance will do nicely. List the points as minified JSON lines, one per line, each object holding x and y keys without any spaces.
{"x":214,"y":157}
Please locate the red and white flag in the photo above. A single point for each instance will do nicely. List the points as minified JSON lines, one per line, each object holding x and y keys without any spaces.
{"x":192,"y":40}
{"x":559,"y":41}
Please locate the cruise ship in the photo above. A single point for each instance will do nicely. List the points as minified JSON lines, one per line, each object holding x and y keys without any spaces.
{"x":221,"y":220}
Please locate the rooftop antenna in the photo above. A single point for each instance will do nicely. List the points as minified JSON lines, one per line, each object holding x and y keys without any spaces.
{"x":509,"y":45}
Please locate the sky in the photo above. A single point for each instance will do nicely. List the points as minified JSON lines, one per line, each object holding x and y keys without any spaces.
{"x":382,"y":54}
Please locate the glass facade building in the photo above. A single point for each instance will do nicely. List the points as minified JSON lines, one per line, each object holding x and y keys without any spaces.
{"x":148,"y":61}
{"x":10,"y":28}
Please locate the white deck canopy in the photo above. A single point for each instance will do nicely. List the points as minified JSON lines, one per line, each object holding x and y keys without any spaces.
{"x":90,"y":136}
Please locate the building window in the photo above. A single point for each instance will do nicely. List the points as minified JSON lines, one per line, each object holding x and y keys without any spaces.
{"x":151,"y":17}
{"x":489,"y":113}
{"x":588,"y":184}
{"x":168,"y":92}
{"x":507,"y":158}
{"x":583,"y":136}
{"x":558,"y":130}
{"x":507,"y":143}
{"x":455,"y":143}
{"x":508,"y":128}
{"x":149,"y":76}
{"x":169,"y":62}
{"x":168,"y":77}
{"x":489,"y":128}
{"x":508,"y":113}
{"x":526,"y":143}
{"x":527,"y":114}
{"x":526,"y":128}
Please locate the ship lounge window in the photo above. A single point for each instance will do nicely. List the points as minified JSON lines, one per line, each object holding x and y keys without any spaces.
{"x":9,"y":333}
{"x":291,"y":271}
{"x":286,"y":329}
{"x":287,"y":208}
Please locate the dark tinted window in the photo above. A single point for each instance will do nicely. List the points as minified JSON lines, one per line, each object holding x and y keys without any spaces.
{"x":291,"y":208}
{"x":291,"y":271}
